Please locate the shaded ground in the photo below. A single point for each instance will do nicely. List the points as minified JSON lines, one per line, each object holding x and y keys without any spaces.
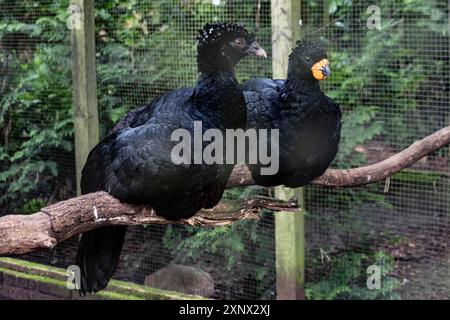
{"x":420,"y":246}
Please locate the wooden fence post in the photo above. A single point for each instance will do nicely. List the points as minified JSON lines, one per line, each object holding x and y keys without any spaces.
{"x":82,"y":25}
{"x":289,"y":226}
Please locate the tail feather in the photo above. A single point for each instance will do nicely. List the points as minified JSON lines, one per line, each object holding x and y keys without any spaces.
{"x":98,"y":257}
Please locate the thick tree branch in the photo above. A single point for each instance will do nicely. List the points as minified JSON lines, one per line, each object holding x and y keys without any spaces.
{"x":241,"y":176}
{"x":20,"y":234}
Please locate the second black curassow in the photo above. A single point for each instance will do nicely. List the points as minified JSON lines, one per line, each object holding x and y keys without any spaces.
{"x":133,"y":163}
{"x":308,"y":121}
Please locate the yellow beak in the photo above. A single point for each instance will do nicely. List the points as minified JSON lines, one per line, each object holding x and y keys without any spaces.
{"x":321,"y":69}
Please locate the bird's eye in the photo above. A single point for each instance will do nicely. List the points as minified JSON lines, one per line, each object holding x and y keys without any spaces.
{"x":239,"y":43}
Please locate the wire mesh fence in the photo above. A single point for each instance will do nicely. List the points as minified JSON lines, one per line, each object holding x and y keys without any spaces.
{"x":36,"y":150}
{"x":392,"y":83}
{"x":159,"y":47}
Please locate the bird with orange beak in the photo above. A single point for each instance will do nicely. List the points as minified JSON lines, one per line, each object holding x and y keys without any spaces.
{"x":321,"y":69}
{"x":308,"y":121}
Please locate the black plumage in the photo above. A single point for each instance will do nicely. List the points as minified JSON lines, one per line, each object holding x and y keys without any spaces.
{"x":309,"y":122}
{"x":133,"y":163}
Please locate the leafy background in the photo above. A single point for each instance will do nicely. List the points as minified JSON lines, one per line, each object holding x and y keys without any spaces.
{"x":392,"y":83}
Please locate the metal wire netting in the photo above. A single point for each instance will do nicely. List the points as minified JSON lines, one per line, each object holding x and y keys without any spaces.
{"x":163,"y":50}
{"x":392,"y":83}
{"x":35,"y":94}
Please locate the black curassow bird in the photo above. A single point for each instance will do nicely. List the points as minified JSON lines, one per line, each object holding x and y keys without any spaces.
{"x":309,"y":122}
{"x":133,"y":163}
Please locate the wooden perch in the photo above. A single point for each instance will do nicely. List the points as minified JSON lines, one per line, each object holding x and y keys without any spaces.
{"x":21,"y":234}
{"x":241,"y":176}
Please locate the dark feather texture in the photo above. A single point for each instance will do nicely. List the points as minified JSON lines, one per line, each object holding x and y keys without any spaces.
{"x":133,"y":163}
{"x":309,"y":123}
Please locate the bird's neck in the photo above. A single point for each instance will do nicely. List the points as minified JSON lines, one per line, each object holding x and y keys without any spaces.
{"x":214,"y":84}
{"x":218,"y":94}
{"x":211,"y":61}
{"x":297,"y":88}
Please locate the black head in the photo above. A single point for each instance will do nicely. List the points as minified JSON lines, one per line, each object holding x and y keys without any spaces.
{"x":309,"y":61}
{"x":221,"y":46}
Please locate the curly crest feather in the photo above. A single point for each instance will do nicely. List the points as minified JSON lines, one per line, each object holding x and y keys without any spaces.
{"x":214,"y":33}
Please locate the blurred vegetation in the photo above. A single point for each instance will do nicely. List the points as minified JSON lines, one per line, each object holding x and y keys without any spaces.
{"x":346,"y":278}
{"x":143,"y":50}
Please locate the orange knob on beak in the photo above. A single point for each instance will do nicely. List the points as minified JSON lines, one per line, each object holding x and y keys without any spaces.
{"x":321,"y":69}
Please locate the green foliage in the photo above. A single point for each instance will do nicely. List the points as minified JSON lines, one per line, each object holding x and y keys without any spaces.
{"x":32,"y":206}
{"x":240,"y":248}
{"x":134,"y":65}
{"x":36,"y":106}
{"x":127,"y":69}
{"x":383,"y":79}
{"x":375,"y":73}
{"x":386,"y":81}
{"x":358,"y":127}
{"x":345,"y":277}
